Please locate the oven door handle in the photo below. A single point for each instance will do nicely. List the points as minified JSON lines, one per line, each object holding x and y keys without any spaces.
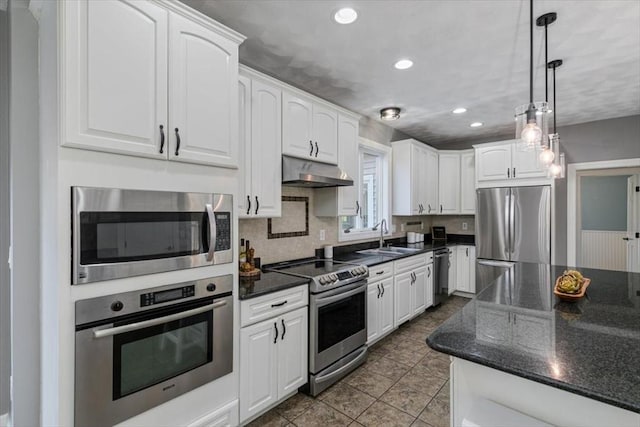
{"x":212,"y":231}
{"x":340,"y":370}
{"x":102,"y":333}
{"x":328,"y":300}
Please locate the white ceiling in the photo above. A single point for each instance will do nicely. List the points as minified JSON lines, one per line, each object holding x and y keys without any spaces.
{"x":472,"y":54}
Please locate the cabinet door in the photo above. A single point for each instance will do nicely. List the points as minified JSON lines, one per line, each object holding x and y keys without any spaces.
{"x":203,"y":95}
{"x":373,"y":314}
{"x":467,"y":183}
{"x":415,"y":183}
{"x":423,"y":184}
{"x":453,"y":280}
{"x":385,"y":311}
{"x":297,"y":116}
{"x":325,"y":134}
{"x":115,"y":91}
{"x":348,"y":162}
{"x":526,"y":164}
{"x":402,"y":295}
{"x":292,"y":351}
{"x":462,"y":268}
{"x":243,"y":200}
{"x":418,"y":292}
{"x":428,"y":293}
{"x":258,"y":367}
{"x":430,"y":158}
{"x":449,"y":183}
{"x":472,"y":269}
{"x":493,"y":163}
{"x":266,"y":155}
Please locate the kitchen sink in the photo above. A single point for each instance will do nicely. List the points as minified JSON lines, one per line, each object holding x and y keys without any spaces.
{"x":389,"y":251}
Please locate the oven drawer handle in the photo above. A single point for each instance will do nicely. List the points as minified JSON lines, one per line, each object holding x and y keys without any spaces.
{"x":338,"y":297}
{"x":145,"y":324}
{"x":213,"y":232}
{"x":337,"y":372}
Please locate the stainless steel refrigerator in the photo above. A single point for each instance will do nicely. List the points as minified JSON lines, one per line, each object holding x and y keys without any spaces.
{"x":514,"y":224}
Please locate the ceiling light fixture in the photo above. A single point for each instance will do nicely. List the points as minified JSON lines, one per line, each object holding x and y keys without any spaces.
{"x":390,"y":113}
{"x":531,"y":128}
{"x":403,"y":64}
{"x":546,"y":155}
{"x":556,"y":169}
{"x":345,"y":16}
{"x":459,"y":110}
{"x":476,"y":124}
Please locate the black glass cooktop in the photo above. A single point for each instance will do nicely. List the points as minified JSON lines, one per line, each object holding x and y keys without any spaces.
{"x":311,"y":268}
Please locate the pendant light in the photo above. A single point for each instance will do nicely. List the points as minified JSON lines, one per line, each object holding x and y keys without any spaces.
{"x":531,"y":120}
{"x":556,"y":169}
{"x":546,"y":154}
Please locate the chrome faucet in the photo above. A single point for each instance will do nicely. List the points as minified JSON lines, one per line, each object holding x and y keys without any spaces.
{"x":383,"y":229}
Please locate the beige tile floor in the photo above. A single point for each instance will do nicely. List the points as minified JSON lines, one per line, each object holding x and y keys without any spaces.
{"x":403,"y":383}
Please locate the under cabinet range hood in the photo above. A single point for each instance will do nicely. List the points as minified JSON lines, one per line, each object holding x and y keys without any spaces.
{"x":308,"y":173}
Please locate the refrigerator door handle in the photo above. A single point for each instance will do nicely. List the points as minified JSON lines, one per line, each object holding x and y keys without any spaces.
{"x":507,"y":224}
{"x":512,"y":224}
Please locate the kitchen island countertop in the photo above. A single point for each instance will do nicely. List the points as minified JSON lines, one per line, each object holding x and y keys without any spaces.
{"x":517,"y":325}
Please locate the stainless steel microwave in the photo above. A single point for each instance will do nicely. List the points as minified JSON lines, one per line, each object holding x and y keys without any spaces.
{"x":121,"y":233}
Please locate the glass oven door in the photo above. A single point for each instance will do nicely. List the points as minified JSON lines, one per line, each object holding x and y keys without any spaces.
{"x":338,"y":324}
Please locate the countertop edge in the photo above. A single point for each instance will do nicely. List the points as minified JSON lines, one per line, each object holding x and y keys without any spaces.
{"x":532,"y":377}
{"x":278,"y":288}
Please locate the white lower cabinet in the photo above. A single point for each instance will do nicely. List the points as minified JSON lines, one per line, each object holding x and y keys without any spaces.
{"x":226,"y":416}
{"x":428,"y":294}
{"x":380,"y":298}
{"x":273,"y":360}
{"x":410,"y":288}
{"x":453,"y":279}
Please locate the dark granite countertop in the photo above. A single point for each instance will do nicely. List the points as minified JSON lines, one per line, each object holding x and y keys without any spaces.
{"x":265,"y":283}
{"x":348,"y":254}
{"x":517,"y":325}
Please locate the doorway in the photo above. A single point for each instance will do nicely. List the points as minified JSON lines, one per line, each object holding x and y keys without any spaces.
{"x":603,"y":215}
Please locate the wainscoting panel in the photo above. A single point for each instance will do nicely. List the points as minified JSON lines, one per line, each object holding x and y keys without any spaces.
{"x":603,"y":249}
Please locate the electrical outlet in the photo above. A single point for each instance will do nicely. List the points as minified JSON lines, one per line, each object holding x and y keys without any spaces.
{"x":402,"y":227}
{"x":421,"y":225}
{"x":393,"y":228}
{"x":322,"y":236}
{"x":464,"y":226}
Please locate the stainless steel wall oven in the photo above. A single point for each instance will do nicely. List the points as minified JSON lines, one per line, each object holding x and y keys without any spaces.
{"x":136,"y":350}
{"x":122,"y":233}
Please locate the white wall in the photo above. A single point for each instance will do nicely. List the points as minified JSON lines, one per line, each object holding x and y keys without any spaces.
{"x":25,"y":214}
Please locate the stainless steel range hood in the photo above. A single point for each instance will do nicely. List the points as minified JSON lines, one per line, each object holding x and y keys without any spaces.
{"x":307,"y":173}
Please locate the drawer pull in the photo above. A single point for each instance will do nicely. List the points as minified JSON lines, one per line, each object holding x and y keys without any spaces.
{"x":380,"y":272}
{"x":280,"y":304}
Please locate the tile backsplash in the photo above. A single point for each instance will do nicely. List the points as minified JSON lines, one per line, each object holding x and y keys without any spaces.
{"x":275,"y":250}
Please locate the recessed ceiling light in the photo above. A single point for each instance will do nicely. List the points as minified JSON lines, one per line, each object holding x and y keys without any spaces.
{"x":345,"y":16}
{"x":476,"y":124}
{"x":403,"y":64}
{"x":459,"y":110}
{"x":390,"y":113}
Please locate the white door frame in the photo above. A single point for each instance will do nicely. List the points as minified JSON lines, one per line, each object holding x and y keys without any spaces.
{"x":572,"y":197}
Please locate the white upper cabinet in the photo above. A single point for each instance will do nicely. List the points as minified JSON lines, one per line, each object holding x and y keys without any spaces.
{"x":504,"y":163}
{"x":310,"y":130}
{"x":203,"y":100}
{"x":340,"y":201}
{"x":260,"y":130}
{"x":124,"y":97}
{"x":449,"y":183}
{"x":467,"y":182}
{"x":415,"y":178}
{"x":115,"y":91}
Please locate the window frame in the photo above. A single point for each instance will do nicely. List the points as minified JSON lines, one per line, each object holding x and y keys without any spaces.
{"x":384,"y":152}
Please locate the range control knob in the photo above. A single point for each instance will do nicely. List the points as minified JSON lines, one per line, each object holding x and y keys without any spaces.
{"x":334,"y":277}
{"x":322,"y":280}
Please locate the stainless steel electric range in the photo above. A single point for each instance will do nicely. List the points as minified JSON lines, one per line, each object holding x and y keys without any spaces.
{"x":337,"y":317}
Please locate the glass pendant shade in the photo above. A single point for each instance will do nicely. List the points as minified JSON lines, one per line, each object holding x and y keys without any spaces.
{"x":532,"y":125}
{"x":546,"y":156}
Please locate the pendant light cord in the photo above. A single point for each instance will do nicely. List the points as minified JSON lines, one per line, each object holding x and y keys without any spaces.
{"x":555,"y":107}
{"x":530,"y":51}
{"x":546,"y":70}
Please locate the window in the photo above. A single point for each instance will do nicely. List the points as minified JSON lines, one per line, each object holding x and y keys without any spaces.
{"x":373,"y":189}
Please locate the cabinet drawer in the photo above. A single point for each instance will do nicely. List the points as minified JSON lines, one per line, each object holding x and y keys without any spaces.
{"x":271,"y":305}
{"x":410,"y":263}
{"x":379,"y":272}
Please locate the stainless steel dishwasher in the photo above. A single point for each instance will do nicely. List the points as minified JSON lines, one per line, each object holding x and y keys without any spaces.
{"x":440,"y":275}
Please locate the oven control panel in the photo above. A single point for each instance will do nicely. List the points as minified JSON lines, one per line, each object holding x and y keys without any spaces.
{"x":159,"y":297}
{"x":332,"y":278}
